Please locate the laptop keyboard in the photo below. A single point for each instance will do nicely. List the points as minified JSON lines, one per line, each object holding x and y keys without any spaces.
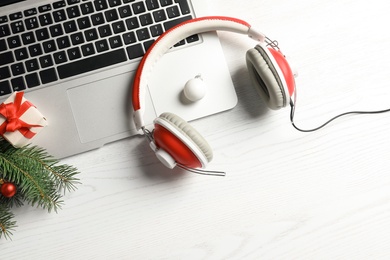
{"x":53,"y":42}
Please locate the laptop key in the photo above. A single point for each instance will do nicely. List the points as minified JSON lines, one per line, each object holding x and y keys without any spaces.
{"x":118,"y":27}
{"x":44,"y":8}
{"x":59,"y":16}
{"x":21,"y":54}
{"x":63,"y":42}
{"x":113,"y":3}
{"x":70,"y":26}
{"x":56,"y":30}
{"x":168,"y":25}
{"x":71,"y":2}
{"x":138,"y":8}
{"x":91,"y":34}
{"x":173,"y":12}
{"x":3,"y":19}
{"x":30,"y":12}
{"x":166,"y":2}
{"x":32,"y":80}
{"x":101,"y":45}
{"x":100,"y":5}
{"x":48,"y":75}
{"x":146,"y":19}
{"x":115,"y":42}
{"x":17,"y":27}
{"x":42,"y":34}
{"x":73,"y":12}
{"x":135,"y":51}
{"x":31,"y":65}
{"x":87,"y":49}
{"x":15,"y":16}
{"x":184,"y":7}
{"x":28,"y":38}
{"x":49,"y":46}
{"x":124,"y":11}
{"x":14,"y":42}
{"x":97,"y":19}
{"x":129,"y":37}
{"x":5,"y":88}
{"x":111,"y":15}
{"x":159,"y":15}
{"x":17,"y":69}
{"x":45,"y":19}
{"x":60,"y":57}
{"x":46,"y":61}
{"x":83,"y":23}
{"x":3,"y":45}
{"x":18,"y":84}
{"x":143,"y":34}
{"x":151,"y":4}
{"x":77,"y":38}
{"x":148,"y":44}
{"x":4,"y":73}
{"x":74,"y":53}
{"x":35,"y":50}
{"x":105,"y":30}
{"x":4,"y":30}
{"x":59,"y":4}
{"x":193,"y":38}
{"x":132,"y":23}
{"x":31,"y":23}
{"x":91,"y":63}
{"x":156,"y":30}
{"x":6,"y":58}
{"x":86,"y":8}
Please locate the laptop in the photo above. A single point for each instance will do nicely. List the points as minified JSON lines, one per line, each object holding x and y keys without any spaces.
{"x":75,"y":61}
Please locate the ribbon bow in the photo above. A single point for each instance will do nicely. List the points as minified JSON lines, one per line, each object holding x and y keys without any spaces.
{"x":12,"y":113}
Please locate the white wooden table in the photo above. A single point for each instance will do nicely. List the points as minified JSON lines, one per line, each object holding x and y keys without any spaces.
{"x":287,"y":195}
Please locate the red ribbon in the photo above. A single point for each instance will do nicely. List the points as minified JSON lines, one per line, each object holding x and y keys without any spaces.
{"x":12,"y":113}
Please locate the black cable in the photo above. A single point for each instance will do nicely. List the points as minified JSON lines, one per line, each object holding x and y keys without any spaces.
{"x":292,"y":113}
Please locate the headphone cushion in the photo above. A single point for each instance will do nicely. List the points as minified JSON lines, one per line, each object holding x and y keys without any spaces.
{"x":190,"y":133}
{"x":266,"y":78}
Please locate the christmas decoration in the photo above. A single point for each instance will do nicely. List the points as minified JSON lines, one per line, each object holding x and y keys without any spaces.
{"x":8,"y":189}
{"x":29,"y":175}
{"x":20,"y":120}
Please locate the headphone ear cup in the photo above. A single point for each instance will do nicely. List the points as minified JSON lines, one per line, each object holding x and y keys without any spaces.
{"x":267,"y":77}
{"x":181,"y":141}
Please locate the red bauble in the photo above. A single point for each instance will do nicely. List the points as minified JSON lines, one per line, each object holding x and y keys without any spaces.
{"x":8,"y":189}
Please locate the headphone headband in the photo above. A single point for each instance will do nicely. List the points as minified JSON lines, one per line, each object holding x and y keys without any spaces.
{"x":171,"y":37}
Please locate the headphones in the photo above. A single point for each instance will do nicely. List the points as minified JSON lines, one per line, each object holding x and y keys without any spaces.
{"x":176,"y":142}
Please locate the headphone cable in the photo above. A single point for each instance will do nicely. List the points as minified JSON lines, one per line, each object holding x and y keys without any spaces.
{"x":293,"y":107}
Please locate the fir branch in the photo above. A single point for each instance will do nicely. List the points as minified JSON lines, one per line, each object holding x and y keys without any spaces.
{"x":7,"y":225}
{"x":37,"y":175}
{"x":39,"y":179}
{"x":62,"y":175}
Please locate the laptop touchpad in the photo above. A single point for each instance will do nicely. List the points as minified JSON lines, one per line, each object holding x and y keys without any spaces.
{"x":110,"y":112}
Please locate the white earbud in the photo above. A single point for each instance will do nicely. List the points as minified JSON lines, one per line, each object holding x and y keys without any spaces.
{"x":195,"y":89}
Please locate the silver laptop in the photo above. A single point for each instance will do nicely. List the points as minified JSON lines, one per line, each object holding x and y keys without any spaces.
{"x":75,"y":61}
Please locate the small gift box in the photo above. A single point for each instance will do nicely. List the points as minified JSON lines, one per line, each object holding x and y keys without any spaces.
{"x":20,"y":120}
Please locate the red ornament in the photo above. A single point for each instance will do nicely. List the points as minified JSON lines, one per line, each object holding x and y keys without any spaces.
{"x":8,"y":189}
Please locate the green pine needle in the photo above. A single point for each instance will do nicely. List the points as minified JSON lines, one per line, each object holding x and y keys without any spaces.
{"x":6,"y":222}
{"x":39,"y":178}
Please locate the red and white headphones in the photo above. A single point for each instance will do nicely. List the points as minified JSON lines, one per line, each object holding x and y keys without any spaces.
{"x":177,"y":143}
